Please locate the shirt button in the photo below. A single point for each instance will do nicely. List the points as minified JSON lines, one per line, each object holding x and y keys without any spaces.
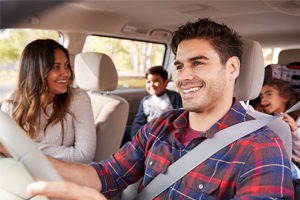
{"x":150,"y":163}
{"x":200,"y":186}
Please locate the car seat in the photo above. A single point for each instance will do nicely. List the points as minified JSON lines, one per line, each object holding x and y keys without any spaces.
{"x":291,"y":59}
{"x":249,"y":83}
{"x":287,"y":56}
{"x":97,"y":74}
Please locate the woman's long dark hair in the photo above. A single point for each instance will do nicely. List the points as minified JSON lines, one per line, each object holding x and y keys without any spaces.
{"x":31,"y":95}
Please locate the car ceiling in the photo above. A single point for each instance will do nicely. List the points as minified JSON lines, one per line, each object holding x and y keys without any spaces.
{"x":272,"y":23}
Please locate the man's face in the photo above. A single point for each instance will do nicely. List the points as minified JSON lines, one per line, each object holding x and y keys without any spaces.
{"x":201,"y":78}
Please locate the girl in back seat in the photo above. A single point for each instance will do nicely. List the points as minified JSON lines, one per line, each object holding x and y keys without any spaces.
{"x":277,"y":96}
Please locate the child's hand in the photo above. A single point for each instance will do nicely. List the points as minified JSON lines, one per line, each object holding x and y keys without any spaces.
{"x":291,"y":122}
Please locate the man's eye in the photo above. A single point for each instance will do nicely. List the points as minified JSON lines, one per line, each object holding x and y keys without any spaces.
{"x":196,"y":63}
{"x":178,"y":67}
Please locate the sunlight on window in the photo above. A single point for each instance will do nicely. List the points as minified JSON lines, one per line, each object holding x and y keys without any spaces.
{"x":271,"y":55}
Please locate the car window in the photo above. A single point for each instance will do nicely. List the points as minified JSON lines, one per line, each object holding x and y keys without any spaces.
{"x":12,"y":43}
{"x":271,"y":55}
{"x":131,"y":57}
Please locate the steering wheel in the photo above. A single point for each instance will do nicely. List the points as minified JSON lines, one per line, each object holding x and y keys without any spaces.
{"x":28,"y":164}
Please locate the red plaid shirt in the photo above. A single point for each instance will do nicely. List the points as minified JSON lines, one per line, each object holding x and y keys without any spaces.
{"x":254,"y":167}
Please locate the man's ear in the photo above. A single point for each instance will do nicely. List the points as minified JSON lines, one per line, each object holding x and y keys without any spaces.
{"x":233,"y":67}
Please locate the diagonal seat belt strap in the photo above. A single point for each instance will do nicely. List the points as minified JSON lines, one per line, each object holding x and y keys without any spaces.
{"x":203,"y":151}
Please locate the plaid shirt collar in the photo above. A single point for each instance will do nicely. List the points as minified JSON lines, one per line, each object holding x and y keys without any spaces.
{"x":237,"y":113}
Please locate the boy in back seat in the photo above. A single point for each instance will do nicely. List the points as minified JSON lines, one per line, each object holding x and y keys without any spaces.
{"x":159,"y":99}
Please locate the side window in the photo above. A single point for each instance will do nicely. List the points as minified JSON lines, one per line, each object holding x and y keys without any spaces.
{"x":12,"y":43}
{"x":271,"y":55}
{"x":130,"y":57}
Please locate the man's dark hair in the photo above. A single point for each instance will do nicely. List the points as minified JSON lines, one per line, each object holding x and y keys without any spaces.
{"x":158,"y":70}
{"x":226,"y":41}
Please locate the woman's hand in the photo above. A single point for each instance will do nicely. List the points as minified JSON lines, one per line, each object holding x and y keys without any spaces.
{"x":64,"y":190}
{"x":291,"y":122}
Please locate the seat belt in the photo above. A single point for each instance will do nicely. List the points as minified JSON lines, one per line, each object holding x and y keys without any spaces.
{"x":202,"y":152}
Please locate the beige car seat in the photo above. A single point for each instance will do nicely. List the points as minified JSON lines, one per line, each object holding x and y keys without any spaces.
{"x":97,"y":74}
{"x":288,"y":56}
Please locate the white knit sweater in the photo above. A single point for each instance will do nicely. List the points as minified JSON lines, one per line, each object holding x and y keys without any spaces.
{"x":79,"y":144}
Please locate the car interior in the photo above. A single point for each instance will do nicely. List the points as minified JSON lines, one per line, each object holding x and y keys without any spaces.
{"x":246,"y":89}
{"x":270,"y":31}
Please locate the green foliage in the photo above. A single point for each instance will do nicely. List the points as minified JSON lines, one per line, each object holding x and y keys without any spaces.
{"x":13,"y":41}
{"x":130,"y":57}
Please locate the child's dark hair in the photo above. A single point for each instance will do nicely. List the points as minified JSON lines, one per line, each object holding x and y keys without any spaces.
{"x":287,"y":91}
{"x":158,"y":70}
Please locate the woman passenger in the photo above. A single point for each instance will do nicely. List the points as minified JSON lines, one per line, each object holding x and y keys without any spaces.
{"x":56,"y":116}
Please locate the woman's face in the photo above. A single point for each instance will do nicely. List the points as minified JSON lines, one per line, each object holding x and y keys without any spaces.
{"x":271,"y":101}
{"x":59,"y":76}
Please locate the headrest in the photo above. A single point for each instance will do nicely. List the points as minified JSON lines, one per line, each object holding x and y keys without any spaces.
{"x":288,"y":56}
{"x":95,"y":71}
{"x":250,"y":79}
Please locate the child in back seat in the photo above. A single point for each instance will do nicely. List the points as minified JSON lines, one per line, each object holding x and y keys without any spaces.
{"x":159,"y":99}
{"x":277,"y":96}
